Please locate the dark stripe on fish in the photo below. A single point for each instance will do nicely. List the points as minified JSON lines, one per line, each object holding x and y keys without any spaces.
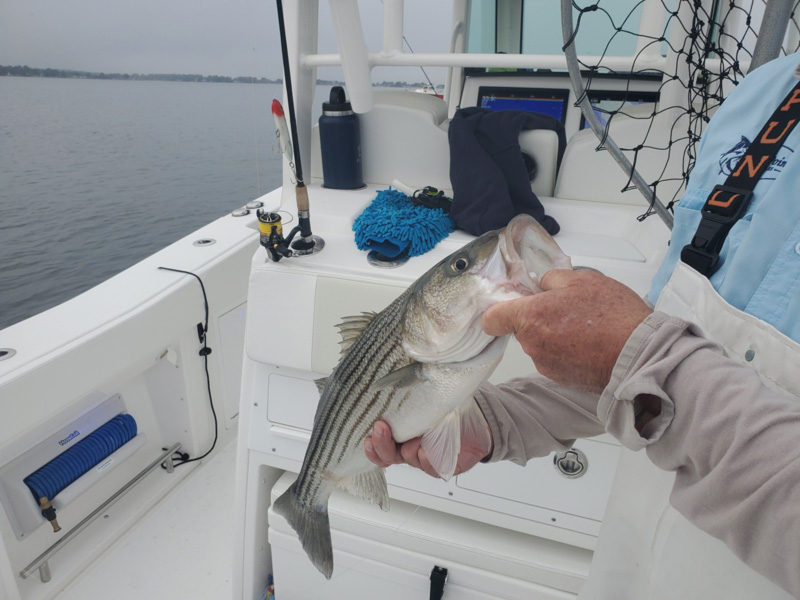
{"x":363,"y":423}
{"x":366,"y":360}
{"x":350,"y":399}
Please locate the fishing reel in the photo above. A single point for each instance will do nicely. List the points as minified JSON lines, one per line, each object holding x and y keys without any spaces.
{"x":270,"y":228}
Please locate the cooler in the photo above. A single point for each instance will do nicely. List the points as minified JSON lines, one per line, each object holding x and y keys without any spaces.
{"x":390,"y":555}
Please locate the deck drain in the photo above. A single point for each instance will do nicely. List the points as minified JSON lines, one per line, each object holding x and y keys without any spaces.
{"x":7,"y":353}
{"x":204,"y":242}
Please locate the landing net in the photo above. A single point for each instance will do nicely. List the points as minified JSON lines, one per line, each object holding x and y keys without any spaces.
{"x":701,"y":49}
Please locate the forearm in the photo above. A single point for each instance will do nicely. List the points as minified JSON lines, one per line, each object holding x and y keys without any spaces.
{"x":732,"y":442}
{"x":533,"y":416}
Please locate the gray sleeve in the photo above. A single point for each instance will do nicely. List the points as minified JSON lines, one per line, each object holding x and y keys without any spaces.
{"x":733,"y":443}
{"x":533,"y":416}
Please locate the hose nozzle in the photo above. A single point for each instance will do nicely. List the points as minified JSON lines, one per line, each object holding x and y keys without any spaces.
{"x":49,"y":513}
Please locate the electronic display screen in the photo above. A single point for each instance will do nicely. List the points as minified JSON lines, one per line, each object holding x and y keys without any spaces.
{"x":551,"y":102}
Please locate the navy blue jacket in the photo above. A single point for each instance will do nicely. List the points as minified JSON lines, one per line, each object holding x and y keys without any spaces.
{"x":490,"y":181}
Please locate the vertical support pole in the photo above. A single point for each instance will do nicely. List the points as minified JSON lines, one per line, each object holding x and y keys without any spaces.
{"x":454,"y":82}
{"x":393,"y":11}
{"x":354,"y":53}
{"x":772,"y":31}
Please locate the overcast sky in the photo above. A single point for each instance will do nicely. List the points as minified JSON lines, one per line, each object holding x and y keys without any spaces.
{"x":209,"y":37}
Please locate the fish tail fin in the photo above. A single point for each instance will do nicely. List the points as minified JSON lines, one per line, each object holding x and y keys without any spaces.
{"x":312,"y":527}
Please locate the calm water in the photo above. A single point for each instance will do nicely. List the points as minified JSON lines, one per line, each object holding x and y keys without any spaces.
{"x":96,"y":175}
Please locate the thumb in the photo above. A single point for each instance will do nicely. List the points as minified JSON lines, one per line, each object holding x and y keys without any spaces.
{"x":502,"y":318}
{"x":559,"y":278}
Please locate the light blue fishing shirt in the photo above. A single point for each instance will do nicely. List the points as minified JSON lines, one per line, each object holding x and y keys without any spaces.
{"x":760,"y":260}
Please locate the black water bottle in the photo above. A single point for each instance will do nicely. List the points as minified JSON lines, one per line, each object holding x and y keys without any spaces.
{"x":340,"y":143}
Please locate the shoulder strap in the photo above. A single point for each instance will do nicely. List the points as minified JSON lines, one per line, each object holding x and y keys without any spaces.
{"x":728,"y":202}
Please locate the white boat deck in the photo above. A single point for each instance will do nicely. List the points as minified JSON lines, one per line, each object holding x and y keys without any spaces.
{"x":181,"y":550}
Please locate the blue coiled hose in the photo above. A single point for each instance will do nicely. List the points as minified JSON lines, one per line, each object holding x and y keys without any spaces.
{"x":68,"y":466}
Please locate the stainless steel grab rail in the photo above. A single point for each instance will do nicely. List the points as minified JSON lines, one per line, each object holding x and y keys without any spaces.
{"x":41,"y":563}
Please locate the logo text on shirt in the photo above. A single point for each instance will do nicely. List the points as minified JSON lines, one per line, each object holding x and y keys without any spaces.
{"x":730,"y":159}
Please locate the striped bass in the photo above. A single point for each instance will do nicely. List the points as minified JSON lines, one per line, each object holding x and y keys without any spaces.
{"x":415,"y":365}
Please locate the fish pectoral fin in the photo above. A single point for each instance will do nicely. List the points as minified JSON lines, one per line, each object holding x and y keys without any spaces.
{"x":401,"y":378}
{"x":371,"y":486}
{"x":443,"y":443}
{"x":320,"y":383}
{"x":475,"y":428}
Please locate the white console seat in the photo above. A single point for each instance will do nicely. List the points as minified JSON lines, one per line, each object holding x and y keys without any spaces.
{"x":592,"y":175}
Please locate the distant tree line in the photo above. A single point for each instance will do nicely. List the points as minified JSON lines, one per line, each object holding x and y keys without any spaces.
{"x":26,"y":71}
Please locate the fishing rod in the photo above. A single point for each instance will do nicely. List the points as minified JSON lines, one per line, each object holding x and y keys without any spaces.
{"x":269,"y":222}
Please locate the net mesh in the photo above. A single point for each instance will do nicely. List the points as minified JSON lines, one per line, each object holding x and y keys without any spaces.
{"x":701,"y":50}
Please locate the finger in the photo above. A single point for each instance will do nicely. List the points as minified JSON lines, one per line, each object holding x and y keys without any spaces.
{"x":560,"y":278}
{"x":369,"y":450}
{"x":383,"y":445}
{"x":410,"y":452}
{"x":503,"y":318}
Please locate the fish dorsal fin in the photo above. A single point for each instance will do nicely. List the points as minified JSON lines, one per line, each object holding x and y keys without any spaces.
{"x":351,"y":329}
{"x":403,"y":377}
{"x":371,"y":486}
{"x":320,"y":383}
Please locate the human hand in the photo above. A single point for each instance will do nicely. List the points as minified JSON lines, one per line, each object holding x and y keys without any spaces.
{"x":575,"y":329}
{"x":382,"y":450}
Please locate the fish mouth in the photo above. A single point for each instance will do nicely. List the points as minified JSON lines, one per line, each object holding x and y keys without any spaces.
{"x":528,"y":252}
{"x":516,"y":258}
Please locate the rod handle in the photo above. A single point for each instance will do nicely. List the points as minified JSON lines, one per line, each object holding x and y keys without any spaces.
{"x":301,"y":194}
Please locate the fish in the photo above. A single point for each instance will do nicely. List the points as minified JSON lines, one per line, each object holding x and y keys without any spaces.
{"x":282,"y":132}
{"x":416,"y":365}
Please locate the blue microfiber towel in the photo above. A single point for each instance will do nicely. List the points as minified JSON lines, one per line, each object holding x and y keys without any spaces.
{"x":391,"y":225}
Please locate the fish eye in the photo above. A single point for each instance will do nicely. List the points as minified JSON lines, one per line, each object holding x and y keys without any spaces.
{"x":460,"y":264}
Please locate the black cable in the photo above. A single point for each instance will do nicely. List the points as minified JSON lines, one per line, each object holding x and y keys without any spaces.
{"x":183,"y":457}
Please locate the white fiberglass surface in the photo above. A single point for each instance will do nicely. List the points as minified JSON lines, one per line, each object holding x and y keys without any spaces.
{"x":181,"y":550}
